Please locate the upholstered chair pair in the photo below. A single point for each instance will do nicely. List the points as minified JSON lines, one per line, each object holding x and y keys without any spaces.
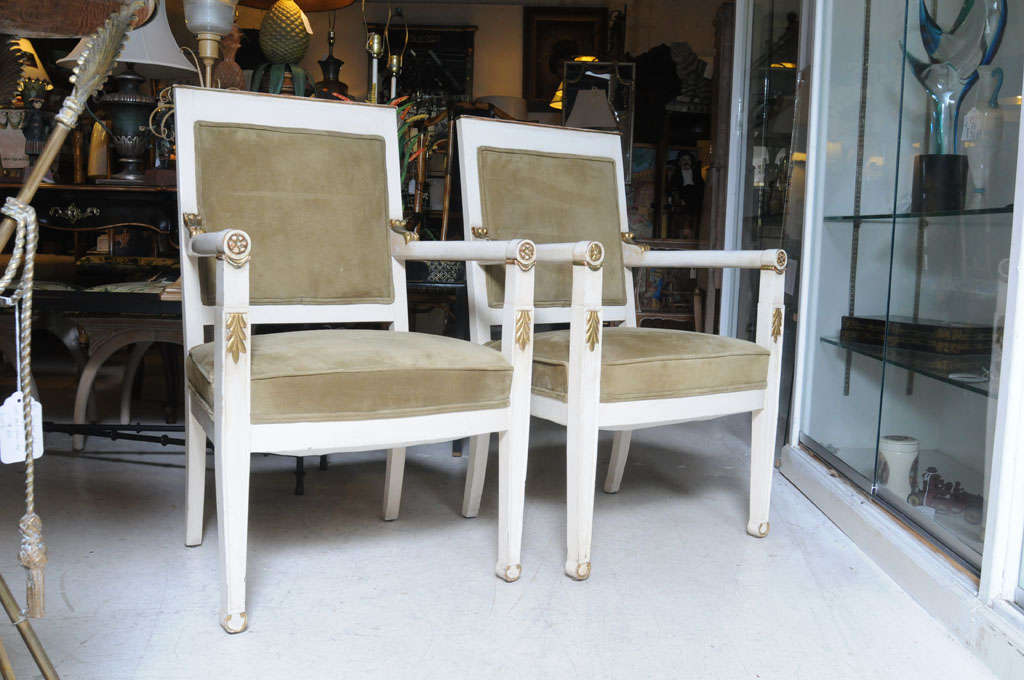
{"x":550,"y":184}
{"x":291,"y":213}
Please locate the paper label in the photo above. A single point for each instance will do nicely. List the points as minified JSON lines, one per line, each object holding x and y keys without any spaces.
{"x":12,"y":430}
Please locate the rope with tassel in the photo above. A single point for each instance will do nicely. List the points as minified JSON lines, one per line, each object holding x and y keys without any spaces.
{"x":32,"y":554}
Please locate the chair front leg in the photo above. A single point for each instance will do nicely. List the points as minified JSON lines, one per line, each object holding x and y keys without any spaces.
{"x":764,"y":422}
{"x":232,"y":438}
{"x":581,"y":427}
{"x":513,"y":443}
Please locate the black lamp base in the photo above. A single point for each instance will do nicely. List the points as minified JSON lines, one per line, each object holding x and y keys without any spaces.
{"x":940,"y":182}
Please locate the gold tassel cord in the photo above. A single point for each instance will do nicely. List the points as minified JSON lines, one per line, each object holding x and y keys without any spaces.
{"x":32,"y":553}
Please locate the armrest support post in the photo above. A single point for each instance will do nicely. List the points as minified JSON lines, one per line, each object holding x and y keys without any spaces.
{"x":585,"y":339}
{"x":517,"y":348}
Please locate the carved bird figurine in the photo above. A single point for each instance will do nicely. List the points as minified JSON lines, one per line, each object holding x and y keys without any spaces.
{"x":11,"y":61}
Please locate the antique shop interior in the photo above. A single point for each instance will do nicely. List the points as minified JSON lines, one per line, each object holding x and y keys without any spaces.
{"x":735,"y":283}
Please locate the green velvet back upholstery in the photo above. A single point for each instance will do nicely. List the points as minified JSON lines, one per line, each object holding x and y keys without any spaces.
{"x":314,"y":203}
{"x":552,"y":198}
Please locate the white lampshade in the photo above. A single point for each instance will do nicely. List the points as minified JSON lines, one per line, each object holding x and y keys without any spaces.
{"x":210,"y":16}
{"x":151,"y":49}
{"x":592,"y":110}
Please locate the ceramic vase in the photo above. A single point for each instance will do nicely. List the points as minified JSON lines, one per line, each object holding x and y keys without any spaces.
{"x":983,"y":131}
{"x":898,"y":462}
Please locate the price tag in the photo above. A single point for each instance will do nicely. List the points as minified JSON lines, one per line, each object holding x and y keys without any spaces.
{"x":12,"y":430}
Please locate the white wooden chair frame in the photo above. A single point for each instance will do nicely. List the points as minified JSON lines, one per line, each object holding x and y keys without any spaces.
{"x":227,"y":420}
{"x":583,"y":414}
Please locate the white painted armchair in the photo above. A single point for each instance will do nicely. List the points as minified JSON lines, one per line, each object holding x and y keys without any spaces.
{"x":557,"y":184}
{"x":291,"y":213}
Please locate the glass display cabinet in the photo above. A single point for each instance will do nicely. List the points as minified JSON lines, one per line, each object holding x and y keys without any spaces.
{"x":914,"y":148}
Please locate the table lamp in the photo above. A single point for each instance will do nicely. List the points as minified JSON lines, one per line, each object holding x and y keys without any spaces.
{"x":150,"y":52}
{"x":592,"y":110}
{"x":556,"y":100}
{"x":209,"y":20}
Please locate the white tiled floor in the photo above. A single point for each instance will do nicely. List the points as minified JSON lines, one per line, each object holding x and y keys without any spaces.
{"x":678,"y":589}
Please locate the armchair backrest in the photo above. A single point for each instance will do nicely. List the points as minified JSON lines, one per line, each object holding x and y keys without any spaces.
{"x":314,"y":183}
{"x":548,"y":184}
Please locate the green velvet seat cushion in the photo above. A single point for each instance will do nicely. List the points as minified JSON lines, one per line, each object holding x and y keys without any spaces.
{"x":326,"y":375}
{"x":654,"y":363}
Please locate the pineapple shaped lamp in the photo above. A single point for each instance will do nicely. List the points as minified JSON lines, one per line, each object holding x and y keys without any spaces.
{"x":284,"y":39}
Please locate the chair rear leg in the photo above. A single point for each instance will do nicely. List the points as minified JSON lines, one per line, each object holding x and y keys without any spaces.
{"x":476,"y":471}
{"x":512,"y":458}
{"x":762,"y":463}
{"x":231,"y":456}
{"x":393,"y":482}
{"x":195,"y":476}
{"x":620,"y":451}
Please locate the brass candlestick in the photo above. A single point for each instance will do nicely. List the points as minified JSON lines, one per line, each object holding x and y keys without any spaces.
{"x":375,"y":46}
{"x":395,"y":66}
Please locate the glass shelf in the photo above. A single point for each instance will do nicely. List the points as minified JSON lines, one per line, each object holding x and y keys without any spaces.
{"x":911,"y":216}
{"x":936,"y":366}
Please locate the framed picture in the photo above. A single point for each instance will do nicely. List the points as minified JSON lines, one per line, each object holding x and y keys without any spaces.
{"x":552,"y":36}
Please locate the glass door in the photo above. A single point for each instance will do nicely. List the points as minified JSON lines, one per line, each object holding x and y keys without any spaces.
{"x":913,"y":251}
{"x":859,"y":101}
{"x":947,"y":282}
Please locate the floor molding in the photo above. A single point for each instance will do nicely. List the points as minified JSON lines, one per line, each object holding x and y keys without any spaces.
{"x":945,"y":592}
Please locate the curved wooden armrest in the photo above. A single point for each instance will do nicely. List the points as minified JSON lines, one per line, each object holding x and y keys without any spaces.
{"x":589,"y":253}
{"x":521,"y":251}
{"x":772,"y":259}
{"x":233,"y":245}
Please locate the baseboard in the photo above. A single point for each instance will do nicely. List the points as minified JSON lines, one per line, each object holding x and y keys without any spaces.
{"x":995,"y":635}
